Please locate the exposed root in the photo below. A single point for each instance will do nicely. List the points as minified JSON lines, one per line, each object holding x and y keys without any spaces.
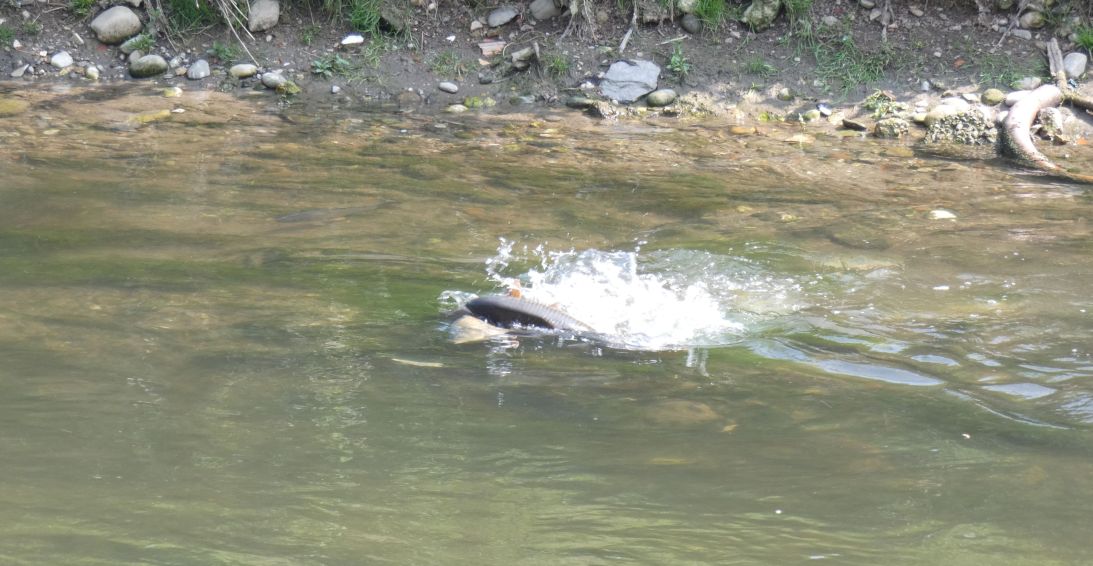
{"x":1015,"y":139}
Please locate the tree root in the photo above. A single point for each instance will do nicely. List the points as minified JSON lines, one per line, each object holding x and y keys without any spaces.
{"x":1015,"y":139}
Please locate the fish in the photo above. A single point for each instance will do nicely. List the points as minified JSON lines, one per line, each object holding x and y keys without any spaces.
{"x":506,"y":311}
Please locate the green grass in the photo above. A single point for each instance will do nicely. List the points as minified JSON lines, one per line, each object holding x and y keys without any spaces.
{"x":189,"y":15}
{"x":557,"y":66}
{"x":329,"y":65}
{"x":6,"y":36}
{"x":1085,"y":37}
{"x":364,"y":16}
{"x":81,"y":7}
{"x":1003,"y":71}
{"x":711,"y":12}
{"x":224,"y":52}
{"x":757,"y":66}
{"x":372,"y":54}
{"x":448,"y":64}
{"x":678,"y":64}
{"x":841,"y":61}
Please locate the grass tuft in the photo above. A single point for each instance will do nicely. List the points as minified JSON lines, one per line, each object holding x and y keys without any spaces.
{"x":448,"y":64}
{"x":678,"y":64}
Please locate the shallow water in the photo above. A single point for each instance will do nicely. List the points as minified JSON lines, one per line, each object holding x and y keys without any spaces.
{"x":224,"y":342}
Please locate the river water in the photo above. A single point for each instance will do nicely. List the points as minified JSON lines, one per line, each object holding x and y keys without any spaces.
{"x":224,"y":342}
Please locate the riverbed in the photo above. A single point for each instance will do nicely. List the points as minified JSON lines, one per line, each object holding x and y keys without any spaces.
{"x":224,"y":330}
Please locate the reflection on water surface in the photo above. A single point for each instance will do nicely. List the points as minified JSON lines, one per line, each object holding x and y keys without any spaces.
{"x":223,"y":343}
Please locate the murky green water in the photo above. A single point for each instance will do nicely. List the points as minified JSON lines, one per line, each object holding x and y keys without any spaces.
{"x":222,"y":344}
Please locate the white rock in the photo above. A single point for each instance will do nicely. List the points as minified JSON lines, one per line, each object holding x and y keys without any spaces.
{"x":92,"y":72}
{"x":116,"y":25}
{"x":353,"y":39}
{"x":1022,"y":34}
{"x":941,"y":214}
{"x":16,"y":44}
{"x":19,"y":71}
{"x":476,"y":25}
{"x":1029,"y":83}
{"x":335,"y":89}
{"x":263,"y":15}
{"x":501,"y":16}
{"x":916,"y":11}
{"x":1074,"y":64}
{"x":61,"y":59}
{"x":198,"y":71}
{"x":448,"y":87}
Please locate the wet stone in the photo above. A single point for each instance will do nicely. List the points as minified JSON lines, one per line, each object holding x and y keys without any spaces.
{"x":679,"y":412}
{"x":662,"y":97}
{"x":198,"y":71}
{"x":243,"y":70}
{"x":147,"y":66}
{"x":858,"y":237}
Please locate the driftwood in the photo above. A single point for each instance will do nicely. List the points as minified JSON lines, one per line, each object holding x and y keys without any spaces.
{"x":1016,"y":139}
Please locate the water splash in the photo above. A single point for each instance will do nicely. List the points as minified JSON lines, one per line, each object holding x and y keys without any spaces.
{"x":663,"y":300}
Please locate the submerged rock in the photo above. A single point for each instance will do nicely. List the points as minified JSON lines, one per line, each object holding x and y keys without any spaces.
{"x":679,"y":412}
{"x":627,"y":81}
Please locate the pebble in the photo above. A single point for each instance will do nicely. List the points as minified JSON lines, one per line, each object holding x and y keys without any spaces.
{"x":448,"y":87}
{"x":92,"y":72}
{"x":476,"y":25}
{"x":19,"y":71}
{"x":353,"y":39}
{"x":941,"y":214}
{"x":1022,"y":34}
{"x":867,"y":4}
{"x":830,"y":21}
{"x":172,"y":92}
{"x":147,"y":66}
{"x":1032,"y":20}
{"x":273,"y":80}
{"x":335,"y":89}
{"x":455,"y":109}
{"x":61,"y":59}
{"x":916,"y":11}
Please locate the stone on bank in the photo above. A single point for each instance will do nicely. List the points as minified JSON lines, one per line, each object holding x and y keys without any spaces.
{"x":147,"y":66}
{"x":116,"y":25}
{"x":627,"y":81}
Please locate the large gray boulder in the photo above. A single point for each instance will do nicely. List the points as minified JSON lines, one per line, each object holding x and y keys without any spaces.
{"x":116,"y":25}
{"x":263,"y":15}
{"x":627,"y":81}
{"x":761,"y":13}
{"x":1074,"y":64}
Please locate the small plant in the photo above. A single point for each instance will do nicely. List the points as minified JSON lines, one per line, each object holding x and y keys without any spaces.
{"x":308,"y":33}
{"x":882,"y":104}
{"x":224,"y":52}
{"x":448,"y":64}
{"x":678,"y":64}
{"x":329,"y":65}
{"x":757,"y":66}
{"x":32,"y":27}
{"x":1085,"y":38}
{"x":81,"y":7}
{"x":143,"y":42}
{"x":557,"y":66}
{"x":6,"y":36}
{"x":372,"y":54}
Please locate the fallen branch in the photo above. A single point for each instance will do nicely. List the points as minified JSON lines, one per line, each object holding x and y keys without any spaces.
{"x":633,"y":24}
{"x":1016,"y":139}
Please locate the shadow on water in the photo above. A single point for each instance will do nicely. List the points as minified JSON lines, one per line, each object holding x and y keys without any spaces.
{"x":225,"y":343}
